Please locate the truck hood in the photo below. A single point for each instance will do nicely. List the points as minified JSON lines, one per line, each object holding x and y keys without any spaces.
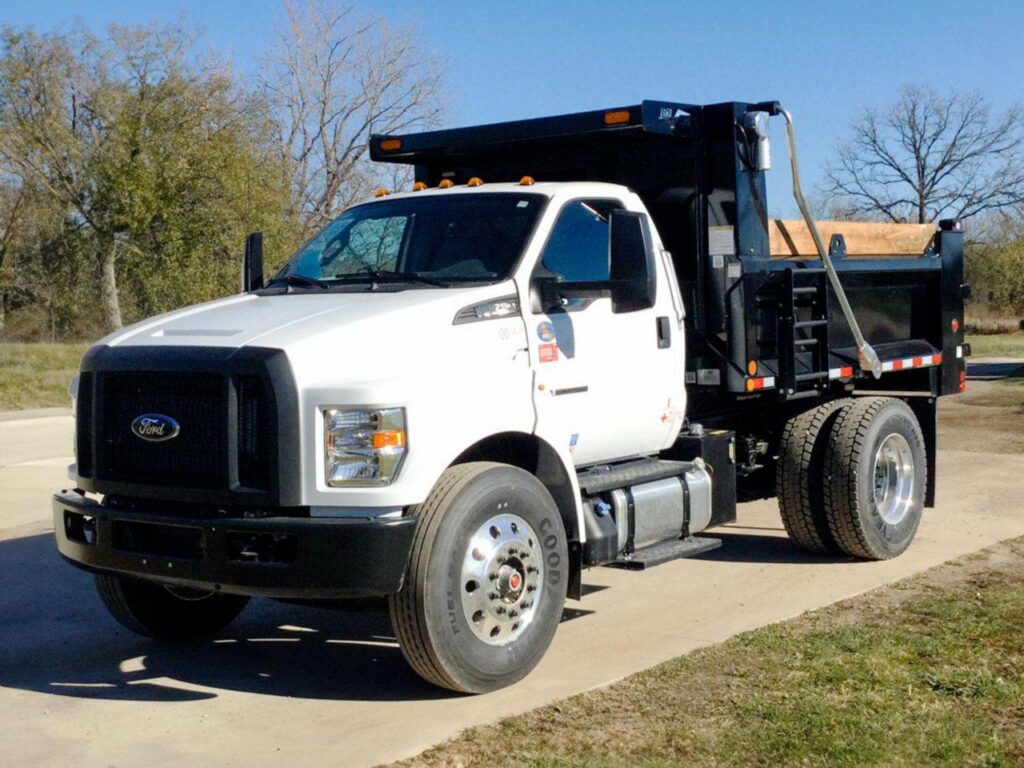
{"x":298,"y":319}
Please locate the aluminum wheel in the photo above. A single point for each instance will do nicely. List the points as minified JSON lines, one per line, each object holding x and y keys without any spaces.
{"x":894,"y":478}
{"x":502,"y":576}
{"x":187,"y":594}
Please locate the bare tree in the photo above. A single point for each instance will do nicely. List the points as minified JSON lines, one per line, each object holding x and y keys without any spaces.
{"x":335,"y":78}
{"x":928,"y":157}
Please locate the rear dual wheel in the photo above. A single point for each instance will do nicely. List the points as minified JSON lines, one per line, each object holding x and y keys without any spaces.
{"x":851,"y":477}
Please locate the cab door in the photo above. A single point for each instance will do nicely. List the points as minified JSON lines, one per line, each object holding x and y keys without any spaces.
{"x":609,"y":384}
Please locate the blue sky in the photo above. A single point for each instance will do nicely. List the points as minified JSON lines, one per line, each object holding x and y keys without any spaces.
{"x":823,"y":60}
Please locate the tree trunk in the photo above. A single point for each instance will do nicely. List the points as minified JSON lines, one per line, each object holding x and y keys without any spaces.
{"x":108,"y":288}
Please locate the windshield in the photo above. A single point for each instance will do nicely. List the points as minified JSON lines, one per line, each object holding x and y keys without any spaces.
{"x":429,"y":240}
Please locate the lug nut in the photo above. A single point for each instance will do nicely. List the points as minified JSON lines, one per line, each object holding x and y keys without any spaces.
{"x":492,"y":576}
{"x":531,"y":569}
{"x":492,"y":595}
{"x":513,"y":614}
{"x":530,"y":587}
{"x":499,"y":610}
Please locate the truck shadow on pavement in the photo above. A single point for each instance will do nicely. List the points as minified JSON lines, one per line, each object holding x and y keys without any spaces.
{"x":748,"y":545}
{"x":58,"y":638}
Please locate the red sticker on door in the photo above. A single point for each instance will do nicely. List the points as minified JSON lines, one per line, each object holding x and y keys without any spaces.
{"x":547,"y":353}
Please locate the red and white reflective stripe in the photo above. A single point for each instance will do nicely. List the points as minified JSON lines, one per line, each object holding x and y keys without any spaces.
{"x":845,"y":372}
{"x":912,"y":362}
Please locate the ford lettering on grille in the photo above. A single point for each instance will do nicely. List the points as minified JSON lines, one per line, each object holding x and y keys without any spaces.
{"x":155,"y":427}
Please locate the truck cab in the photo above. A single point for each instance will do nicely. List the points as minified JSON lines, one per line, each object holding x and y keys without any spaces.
{"x":460,"y":395}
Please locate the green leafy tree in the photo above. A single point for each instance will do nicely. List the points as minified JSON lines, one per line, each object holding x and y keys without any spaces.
{"x":150,"y":153}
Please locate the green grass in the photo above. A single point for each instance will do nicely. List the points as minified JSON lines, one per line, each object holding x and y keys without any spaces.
{"x":930,"y":672}
{"x":37,"y":375}
{"x":1001,"y":345}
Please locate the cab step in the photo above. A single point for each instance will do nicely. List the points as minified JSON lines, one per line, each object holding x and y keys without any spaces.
{"x":656,"y":554}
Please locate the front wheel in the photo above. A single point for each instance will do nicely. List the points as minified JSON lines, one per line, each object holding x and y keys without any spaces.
{"x":165,"y":612}
{"x":486,"y":581}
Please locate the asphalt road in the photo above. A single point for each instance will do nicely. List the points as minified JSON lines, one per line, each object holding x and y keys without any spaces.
{"x":315,"y":687}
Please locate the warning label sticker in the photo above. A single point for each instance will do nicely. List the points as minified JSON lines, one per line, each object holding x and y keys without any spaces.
{"x":547,"y":353}
{"x":721,"y":241}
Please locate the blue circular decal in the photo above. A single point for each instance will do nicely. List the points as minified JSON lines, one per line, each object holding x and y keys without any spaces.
{"x":546,"y":331}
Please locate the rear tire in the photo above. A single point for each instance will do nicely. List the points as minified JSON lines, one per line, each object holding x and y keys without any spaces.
{"x":486,"y":581}
{"x":876,"y":477}
{"x":799,"y":477}
{"x":166,"y":612}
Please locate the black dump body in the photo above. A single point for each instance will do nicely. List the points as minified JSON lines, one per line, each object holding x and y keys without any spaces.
{"x":760,"y":327}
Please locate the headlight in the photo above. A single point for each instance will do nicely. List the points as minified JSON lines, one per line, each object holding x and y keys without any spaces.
{"x":363,"y":446}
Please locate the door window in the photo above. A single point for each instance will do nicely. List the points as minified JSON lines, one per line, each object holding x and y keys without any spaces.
{"x":577,"y":248}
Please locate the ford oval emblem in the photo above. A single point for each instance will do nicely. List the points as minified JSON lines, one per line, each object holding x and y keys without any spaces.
{"x":155,"y":427}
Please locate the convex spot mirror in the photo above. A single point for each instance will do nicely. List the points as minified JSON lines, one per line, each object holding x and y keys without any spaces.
{"x":252,"y":265}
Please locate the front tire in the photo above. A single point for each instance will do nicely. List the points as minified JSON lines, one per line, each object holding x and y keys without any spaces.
{"x":876,"y":476}
{"x":166,"y":612}
{"x":486,"y":580}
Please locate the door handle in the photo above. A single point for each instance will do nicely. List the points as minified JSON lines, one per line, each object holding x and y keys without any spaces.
{"x":664,"y":333}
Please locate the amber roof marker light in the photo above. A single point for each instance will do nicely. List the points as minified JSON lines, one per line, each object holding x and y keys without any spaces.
{"x":446,"y":184}
{"x":390,"y":145}
{"x":527,"y":181}
{"x":476,"y":181}
{"x":616,"y":117}
{"x":419,"y":186}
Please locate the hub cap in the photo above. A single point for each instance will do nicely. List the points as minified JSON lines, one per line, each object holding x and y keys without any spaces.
{"x":894,"y":478}
{"x":502,"y":579}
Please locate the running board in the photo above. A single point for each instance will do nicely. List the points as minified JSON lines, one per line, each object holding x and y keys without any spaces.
{"x":674,"y":549}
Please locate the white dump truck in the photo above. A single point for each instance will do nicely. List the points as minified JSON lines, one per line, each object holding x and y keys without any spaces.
{"x":575,"y":341}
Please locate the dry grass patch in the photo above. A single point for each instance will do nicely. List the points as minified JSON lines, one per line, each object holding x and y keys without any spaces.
{"x":37,"y":375}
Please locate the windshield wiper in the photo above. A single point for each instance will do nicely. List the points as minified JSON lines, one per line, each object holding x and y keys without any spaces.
{"x":375,"y":275}
{"x":299,"y":281}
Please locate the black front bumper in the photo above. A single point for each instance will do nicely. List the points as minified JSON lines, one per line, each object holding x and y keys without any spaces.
{"x":295,"y":557}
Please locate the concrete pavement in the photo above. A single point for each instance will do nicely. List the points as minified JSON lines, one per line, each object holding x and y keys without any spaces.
{"x":316,"y":687}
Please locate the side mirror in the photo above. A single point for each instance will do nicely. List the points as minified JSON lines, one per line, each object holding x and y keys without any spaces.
{"x":632,"y":278}
{"x":252,"y":266}
{"x":632,"y":274}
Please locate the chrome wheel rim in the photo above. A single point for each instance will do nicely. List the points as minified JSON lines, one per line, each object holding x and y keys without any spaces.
{"x":502,"y":579}
{"x":187,"y":594}
{"x":894,"y":478}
